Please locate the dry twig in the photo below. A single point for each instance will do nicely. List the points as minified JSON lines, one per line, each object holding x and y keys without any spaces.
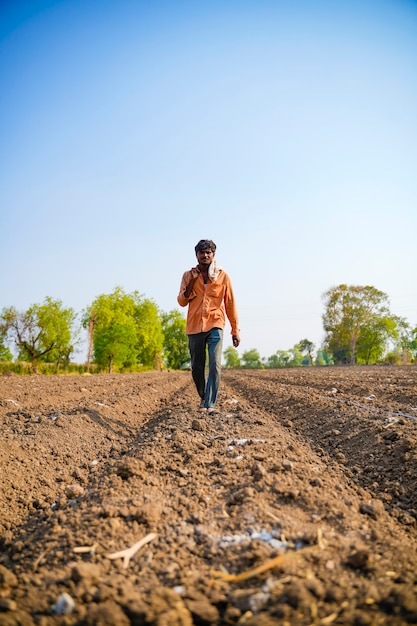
{"x":128,"y":553}
{"x":264,"y":567}
{"x":86,"y":549}
{"x":39,"y":559}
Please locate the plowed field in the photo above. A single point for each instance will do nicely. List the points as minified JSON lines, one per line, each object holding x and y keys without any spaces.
{"x":296,"y":504}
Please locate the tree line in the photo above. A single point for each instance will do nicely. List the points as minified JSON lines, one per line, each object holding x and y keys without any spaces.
{"x":359,"y":328}
{"x":125,"y":331}
{"x":128,"y":332}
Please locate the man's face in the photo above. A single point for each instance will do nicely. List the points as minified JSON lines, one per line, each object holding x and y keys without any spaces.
{"x":205,"y":257}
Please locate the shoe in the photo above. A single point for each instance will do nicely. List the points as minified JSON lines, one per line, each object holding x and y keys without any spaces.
{"x":213,"y":411}
{"x":201,"y":406}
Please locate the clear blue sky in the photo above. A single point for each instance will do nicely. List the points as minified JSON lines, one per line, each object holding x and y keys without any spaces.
{"x":286,"y":131}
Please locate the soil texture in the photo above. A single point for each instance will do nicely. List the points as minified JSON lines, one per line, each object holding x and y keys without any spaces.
{"x":296,"y":504}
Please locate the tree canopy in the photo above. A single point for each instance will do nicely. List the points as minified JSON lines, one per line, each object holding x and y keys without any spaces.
{"x":353,"y":312}
{"x":43,"y":332}
{"x":126,"y":330}
{"x":231,"y":358}
{"x":251,"y":359}
{"x":5,"y":353}
{"x":307,"y":347}
{"x":176,"y":353}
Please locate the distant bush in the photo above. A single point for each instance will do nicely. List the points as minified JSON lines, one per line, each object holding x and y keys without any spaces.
{"x":393,"y":358}
{"x":23,"y":369}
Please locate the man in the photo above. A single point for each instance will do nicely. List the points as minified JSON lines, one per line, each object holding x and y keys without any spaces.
{"x":207,"y":291}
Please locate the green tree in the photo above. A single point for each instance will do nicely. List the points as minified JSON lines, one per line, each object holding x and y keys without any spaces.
{"x":42,"y":333}
{"x":307,"y":347}
{"x":126,"y":330}
{"x":114,"y":345}
{"x":350,"y":309}
{"x":5,"y":353}
{"x":150,"y":337}
{"x":114,"y":329}
{"x":406,"y":340}
{"x":281,"y":358}
{"x":413,"y":342}
{"x":231,"y":358}
{"x":297,"y":357}
{"x":251,"y":359}
{"x":176,"y":353}
{"x":324,"y":357}
{"x":372,"y":340}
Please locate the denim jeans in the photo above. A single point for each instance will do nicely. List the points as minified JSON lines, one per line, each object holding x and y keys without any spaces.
{"x":213,"y":341}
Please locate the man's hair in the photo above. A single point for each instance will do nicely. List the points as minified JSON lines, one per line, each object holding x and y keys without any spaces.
{"x":205,"y":244}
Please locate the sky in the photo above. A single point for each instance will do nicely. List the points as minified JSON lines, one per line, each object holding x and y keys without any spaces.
{"x":284,"y":130}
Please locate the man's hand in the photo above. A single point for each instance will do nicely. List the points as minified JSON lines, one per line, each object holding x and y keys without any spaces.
{"x":236,"y":340}
{"x":194,"y":272}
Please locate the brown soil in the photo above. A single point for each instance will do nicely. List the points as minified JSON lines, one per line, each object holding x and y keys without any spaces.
{"x":297,"y":504}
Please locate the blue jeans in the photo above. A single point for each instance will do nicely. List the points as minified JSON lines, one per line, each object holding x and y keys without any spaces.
{"x":213,"y":341}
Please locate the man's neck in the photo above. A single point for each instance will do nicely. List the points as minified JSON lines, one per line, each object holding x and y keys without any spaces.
{"x":204,"y":271}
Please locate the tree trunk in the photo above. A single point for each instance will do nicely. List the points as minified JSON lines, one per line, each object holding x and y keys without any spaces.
{"x":353,"y":351}
{"x":91,"y":324}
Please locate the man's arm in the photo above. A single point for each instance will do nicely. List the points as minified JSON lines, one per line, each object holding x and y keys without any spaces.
{"x":187,"y":285}
{"x":231,"y":312}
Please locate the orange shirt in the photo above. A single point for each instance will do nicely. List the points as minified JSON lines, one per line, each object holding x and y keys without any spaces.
{"x":208,"y":305}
